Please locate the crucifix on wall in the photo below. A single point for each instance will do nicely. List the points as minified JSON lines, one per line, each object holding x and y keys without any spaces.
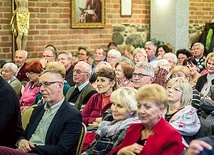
{"x":20,"y":23}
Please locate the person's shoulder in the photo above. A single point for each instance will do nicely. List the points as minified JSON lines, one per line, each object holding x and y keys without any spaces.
{"x":69,"y":107}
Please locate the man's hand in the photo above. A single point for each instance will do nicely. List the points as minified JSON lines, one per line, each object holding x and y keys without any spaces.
{"x":25,"y":146}
{"x":196,"y":146}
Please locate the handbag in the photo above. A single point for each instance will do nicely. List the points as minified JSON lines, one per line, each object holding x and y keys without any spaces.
{"x":102,"y":146}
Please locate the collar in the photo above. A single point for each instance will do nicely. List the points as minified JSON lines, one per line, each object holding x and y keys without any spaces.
{"x":11,"y":79}
{"x":55,"y":107}
{"x":80,"y":87}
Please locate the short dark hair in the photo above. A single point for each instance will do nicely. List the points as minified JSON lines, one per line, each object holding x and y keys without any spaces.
{"x":165,"y":48}
{"x":183,"y":51}
{"x":108,"y":73}
{"x":112,"y":43}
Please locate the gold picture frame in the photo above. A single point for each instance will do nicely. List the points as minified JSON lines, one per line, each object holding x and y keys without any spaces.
{"x":88,"y":13}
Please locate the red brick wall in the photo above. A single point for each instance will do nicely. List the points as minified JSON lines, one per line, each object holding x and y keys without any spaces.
{"x":201,"y":11}
{"x":50,"y":24}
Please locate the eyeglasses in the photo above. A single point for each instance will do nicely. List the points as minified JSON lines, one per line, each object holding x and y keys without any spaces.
{"x":81,"y":54}
{"x":78,"y":71}
{"x":46,"y":83}
{"x":111,"y":57}
{"x":175,"y":89}
{"x":47,"y":56}
{"x":140,"y":75}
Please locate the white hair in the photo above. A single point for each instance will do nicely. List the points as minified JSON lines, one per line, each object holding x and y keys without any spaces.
{"x":171,"y":55}
{"x":12,"y":67}
{"x":115,"y":53}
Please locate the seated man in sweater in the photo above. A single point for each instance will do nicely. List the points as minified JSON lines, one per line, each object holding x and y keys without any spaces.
{"x":79,"y":94}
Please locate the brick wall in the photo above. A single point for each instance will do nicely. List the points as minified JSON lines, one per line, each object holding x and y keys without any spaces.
{"x":201,"y":11}
{"x":50,"y":24}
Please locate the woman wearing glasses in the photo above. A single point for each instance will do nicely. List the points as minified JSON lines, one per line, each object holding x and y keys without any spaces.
{"x":33,"y":70}
{"x":179,"y":112}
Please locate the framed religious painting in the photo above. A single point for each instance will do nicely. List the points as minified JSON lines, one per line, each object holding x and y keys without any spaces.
{"x":88,"y":13}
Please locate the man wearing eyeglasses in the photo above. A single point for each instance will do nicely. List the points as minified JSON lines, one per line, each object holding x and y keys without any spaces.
{"x":82,"y":55}
{"x":142,"y":75}
{"x":55,"y":126}
{"x":49,"y":55}
{"x":79,"y":94}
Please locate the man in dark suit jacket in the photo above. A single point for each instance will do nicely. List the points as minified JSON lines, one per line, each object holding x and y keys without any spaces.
{"x":20,"y":61}
{"x":55,"y":127}
{"x":10,"y":118}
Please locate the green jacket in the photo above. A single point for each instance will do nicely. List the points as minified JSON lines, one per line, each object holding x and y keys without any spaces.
{"x":84,"y":96}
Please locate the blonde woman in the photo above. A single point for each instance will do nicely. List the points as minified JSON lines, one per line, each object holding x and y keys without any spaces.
{"x":179,"y":112}
{"x":140,"y":55}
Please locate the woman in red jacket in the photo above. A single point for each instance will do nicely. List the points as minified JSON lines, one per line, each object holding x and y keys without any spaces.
{"x":154,"y":135}
{"x":98,"y":103}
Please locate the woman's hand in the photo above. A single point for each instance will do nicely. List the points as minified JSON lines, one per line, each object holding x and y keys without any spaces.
{"x":131,"y":150}
{"x":93,"y":125}
{"x":98,"y":120}
{"x":25,"y":146}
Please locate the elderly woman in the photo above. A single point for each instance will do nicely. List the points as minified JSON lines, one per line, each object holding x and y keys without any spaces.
{"x":154,"y":130}
{"x":191,"y":63}
{"x":8,"y":72}
{"x":179,"y":112}
{"x":113,"y":57}
{"x":140,"y":55}
{"x":124,"y":72}
{"x":110,"y":133}
{"x":204,"y":82}
{"x":100,"y":102}
{"x":184,"y":72}
{"x":172,"y":59}
{"x":33,"y":70}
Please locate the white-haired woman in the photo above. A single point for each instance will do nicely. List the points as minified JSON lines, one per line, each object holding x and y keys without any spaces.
{"x":110,"y":133}
{"x":113,"y":57}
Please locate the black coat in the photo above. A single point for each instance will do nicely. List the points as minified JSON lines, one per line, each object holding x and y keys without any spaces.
{"x":10,"y":118}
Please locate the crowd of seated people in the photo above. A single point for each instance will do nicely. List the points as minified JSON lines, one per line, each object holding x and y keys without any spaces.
{"x":173,"y":93}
